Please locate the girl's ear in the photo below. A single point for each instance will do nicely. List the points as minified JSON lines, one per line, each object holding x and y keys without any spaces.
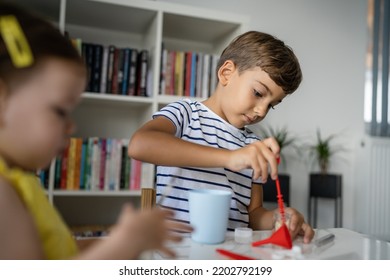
{"x":225,"y":72}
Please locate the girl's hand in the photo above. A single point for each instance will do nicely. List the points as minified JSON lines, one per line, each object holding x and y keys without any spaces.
{"x":148,"y":229}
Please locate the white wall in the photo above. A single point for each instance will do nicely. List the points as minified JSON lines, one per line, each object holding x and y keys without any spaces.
{"x":329,"y":38}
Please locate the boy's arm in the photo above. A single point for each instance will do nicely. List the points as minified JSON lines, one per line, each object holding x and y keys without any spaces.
{"x":155,"y":142}
{"x":259,"y":217}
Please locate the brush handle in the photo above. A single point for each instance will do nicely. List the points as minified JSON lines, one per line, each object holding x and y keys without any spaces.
{"x":280,"y":200}
{"x":280,"y":196}
{"x":232,"y":255}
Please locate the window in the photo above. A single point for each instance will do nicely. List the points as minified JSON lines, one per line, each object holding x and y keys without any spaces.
{"x":376,"y":95}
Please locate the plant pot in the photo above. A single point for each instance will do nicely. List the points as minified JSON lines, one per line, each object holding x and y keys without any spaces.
{"x":325,"y":185}
{"x":269,"y":189}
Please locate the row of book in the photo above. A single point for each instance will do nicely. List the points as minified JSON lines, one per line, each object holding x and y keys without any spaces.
{"x":188,"y":74}
{"x":96,"y":164}
{"x":115,"y":70}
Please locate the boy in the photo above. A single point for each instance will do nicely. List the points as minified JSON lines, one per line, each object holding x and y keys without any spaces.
{"x":207,"y":145}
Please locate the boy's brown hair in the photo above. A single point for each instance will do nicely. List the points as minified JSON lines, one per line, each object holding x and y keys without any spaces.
{"x":257,"y":49}
{"x":44,"y":40}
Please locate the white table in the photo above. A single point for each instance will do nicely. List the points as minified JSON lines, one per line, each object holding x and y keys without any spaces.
{"x":347,"y":244}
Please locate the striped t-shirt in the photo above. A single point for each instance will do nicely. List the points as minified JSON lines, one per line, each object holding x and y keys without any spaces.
{"x":196,"y":123}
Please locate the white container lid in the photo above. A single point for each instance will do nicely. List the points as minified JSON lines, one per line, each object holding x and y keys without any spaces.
{"x":243,"y":235}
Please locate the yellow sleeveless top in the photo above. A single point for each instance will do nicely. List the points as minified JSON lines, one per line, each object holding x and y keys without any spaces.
{"x":56,"y":238}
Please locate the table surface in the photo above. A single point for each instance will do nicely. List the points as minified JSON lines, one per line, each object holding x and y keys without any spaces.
{"x":347,"y":245}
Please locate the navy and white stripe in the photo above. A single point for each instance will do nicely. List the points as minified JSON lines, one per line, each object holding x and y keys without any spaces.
{"x":195,"y":123}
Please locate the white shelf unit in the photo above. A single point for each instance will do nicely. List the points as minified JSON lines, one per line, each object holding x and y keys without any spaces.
{"x":140,"y":24}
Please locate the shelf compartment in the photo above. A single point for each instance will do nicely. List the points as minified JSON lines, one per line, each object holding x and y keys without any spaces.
{"x":126,"y":193}
{"x":181,"y":32}
{"x":109,"y":16}
{"x":115,"y":100}
{"x":92,"y":210}
{"x":49,"y":10}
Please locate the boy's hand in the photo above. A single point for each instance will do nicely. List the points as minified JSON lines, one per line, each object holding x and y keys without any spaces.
{"x":298,"y":226}
{"x":258,"y":156}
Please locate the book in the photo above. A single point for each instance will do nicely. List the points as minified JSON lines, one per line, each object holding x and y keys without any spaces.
{"x":77,"y":166}
{"x":57,"y":180}
{"x":143,"y":61}
{"x":179,"y":73}
{"x":71,"y":164}
{"x":163,"y":71}
{"x":206,"y":76}
{"x":102,"y":167}
{"x":187,"y":77}
{"x":110,"y":68}
{"x":88,"y":164}
{"x":103,"y":74}
{"x":126,"y":67}
{"x":87,"y":51}
{"x":64,"y":168}
{"x":121,"y":64}
{"x":193,"y":74}
{"x":108,"y":164}
{"x":115,"y":70}
{"x":131,"y":90}
{"x":135,"y":174}
{"x":199,"y":70}
{"x":95,"y":165}
{"x":96,"y":67}
{"x":83,"y":162}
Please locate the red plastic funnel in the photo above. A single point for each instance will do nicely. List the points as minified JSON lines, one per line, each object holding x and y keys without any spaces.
{"x":280,"y":237}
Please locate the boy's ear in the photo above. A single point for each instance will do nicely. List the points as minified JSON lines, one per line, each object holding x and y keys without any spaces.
{"x":226,"y":71}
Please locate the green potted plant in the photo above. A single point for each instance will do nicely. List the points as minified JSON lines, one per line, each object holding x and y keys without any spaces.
{"x":286,"y":142}
{"x":324,"y":184}
{"x":323,"y":150}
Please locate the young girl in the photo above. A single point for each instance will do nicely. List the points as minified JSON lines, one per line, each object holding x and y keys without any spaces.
{"x":41,"y":80}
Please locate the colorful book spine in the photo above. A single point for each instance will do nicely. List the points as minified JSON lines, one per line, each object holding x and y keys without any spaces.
{"x":103,"y":74}
{"x":64,"y":168}
{"x":71,"y":164}
{"x":84,"y":154}
{"x":142,"y":73}
{"x":126,"y":66}
{"x":133,"y":73}
{"x":135,"y":176}
{"x":102,"y":167}
{"x":77,"y":167}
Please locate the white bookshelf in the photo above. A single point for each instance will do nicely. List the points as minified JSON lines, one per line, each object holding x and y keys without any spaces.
{"x":140,"y":24}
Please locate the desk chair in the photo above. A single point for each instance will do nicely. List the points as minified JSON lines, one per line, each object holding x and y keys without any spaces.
{"x":148,"y":198}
